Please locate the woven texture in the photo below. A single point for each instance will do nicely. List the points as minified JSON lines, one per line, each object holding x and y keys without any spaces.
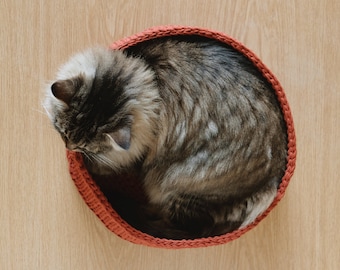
{"x":95,"y":198}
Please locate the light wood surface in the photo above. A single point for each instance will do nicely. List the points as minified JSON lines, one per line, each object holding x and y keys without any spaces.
{"x":45,"y":224}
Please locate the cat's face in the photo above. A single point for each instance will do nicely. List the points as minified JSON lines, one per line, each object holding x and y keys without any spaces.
{"x":85,"y":119}
{"x":88,"y":106}
{"x":103,"y":104}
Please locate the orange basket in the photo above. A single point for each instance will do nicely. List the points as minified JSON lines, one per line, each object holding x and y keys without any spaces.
{"x":94,"y":194}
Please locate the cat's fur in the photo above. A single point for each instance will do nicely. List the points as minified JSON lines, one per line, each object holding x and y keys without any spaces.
{"x":194,"y":117}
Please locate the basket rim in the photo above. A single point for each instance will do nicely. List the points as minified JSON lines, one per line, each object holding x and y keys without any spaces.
{"x":96,"y":200}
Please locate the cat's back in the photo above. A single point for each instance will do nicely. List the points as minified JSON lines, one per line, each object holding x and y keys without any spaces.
{"x":222,"y":120}
{"x":195,"y":67}
{"x":186,"y":57}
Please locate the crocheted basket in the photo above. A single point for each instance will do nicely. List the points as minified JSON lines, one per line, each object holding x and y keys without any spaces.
{"x":94,"y":191}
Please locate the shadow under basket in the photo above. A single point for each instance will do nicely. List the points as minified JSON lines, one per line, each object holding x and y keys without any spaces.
{"x":97,"y":193}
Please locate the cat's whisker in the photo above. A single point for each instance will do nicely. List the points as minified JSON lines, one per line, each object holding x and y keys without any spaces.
{"x":39,"y":111}
{"x":103,"y":160}
{"x":87,"y":156}
{"x":106,"y":161}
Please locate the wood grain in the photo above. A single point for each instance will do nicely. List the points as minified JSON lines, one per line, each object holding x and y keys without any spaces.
{"x":44,"y":223}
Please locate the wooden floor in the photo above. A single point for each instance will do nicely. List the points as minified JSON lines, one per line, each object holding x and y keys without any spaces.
{"x":45,"y":224}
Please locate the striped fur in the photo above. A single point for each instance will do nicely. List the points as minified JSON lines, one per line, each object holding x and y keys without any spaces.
{"x":197,"y":117}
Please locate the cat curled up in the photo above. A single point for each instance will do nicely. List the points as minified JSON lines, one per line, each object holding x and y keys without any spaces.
{"x":195,"y":120}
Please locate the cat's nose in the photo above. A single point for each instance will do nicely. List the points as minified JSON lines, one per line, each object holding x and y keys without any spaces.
{"x":71,"y":146}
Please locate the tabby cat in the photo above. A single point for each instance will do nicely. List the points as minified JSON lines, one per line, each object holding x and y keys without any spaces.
{"x":194,"y":118}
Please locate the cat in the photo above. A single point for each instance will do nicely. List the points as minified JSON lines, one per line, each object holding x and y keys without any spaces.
{"x":193,"y":117}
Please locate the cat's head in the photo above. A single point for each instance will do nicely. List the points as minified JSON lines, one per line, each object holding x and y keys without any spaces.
{"x":98,"y":99}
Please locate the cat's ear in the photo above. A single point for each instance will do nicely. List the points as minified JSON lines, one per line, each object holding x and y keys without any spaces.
{"x":122,"y":137}
{"x":64,"y":90}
